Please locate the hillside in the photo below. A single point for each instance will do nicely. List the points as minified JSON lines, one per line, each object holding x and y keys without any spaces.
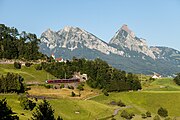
{"x":149,"y":99}
{"x":30,"y":74}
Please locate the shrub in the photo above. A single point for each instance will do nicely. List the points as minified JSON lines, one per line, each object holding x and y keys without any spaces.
{"x":48,"y":86}
{"x":105,"y":92}
{"x":27,"y":64}
{"x":126,"y":115}
{"x":38,"y":67}
{"x":80,"y":87}
{"x":59,"y":118}
{"x":156,"y":117}
{"x":26,"y":104}
{"x":72,"y":87}
{"x":143,"y":116}
{"x":177,"y":79}
{"x":120,"y":103}
{"x":62,"y":86}
{"x":73,"y":94}
{"x":162,"y":112}
{"x":148,"y":114}
{"x":17,"y":65}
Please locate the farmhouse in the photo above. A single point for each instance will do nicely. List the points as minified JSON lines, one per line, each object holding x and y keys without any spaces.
{"x":156,"y":76}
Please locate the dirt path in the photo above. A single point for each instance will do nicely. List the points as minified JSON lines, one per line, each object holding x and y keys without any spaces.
{"x":91,"y":97}
{"x":121,"y":108}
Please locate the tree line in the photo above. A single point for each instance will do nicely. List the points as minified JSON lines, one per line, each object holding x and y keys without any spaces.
{"x":100,"y":74}
{"x":15,"y":45}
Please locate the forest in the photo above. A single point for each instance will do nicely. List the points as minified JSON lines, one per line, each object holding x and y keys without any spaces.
{"x":100,"y":74}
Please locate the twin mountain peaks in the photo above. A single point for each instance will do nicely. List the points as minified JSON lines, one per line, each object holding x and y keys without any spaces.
{"x":125,"y":50}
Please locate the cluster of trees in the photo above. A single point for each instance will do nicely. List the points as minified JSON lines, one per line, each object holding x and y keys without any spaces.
{"x":100,"y":74}
{"x":11,"y":83}
{"x":15,"y":45}
{"x":177,"y":79}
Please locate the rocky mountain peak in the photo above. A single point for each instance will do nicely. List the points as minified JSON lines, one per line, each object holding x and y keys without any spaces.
{"x":73,"y":38}
{"x":125,"y":28}
{"x":126,"y":39}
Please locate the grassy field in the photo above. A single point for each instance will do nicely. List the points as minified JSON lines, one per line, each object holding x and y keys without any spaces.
{"x":159,"y":93}
{"x":163,"y":84}
{"x":64,"y":92}
{"x":69,"y":109}
{"x":146,"y":101}
{"x":30,"y":74}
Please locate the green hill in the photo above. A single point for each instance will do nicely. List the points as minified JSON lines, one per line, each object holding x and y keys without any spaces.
{"x":30,"y":74}
{"x":69,"y":109}
{"x":163,"y":84}
{"x":145,"y":101}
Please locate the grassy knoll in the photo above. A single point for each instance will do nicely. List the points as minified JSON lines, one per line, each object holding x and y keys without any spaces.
{"x":163,"y":84}
{"x":146,"y":101}
{"x":30,"y":74}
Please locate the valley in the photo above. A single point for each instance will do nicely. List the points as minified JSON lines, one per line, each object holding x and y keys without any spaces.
{"x":150,"y":98}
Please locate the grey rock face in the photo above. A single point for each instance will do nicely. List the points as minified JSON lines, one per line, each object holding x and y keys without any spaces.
{"x":125,"y":50}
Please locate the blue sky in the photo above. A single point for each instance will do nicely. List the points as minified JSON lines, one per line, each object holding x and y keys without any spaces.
{"x":158,"y":21}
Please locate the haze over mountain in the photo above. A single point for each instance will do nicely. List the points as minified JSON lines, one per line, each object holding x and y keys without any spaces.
{"x":125,"y":50}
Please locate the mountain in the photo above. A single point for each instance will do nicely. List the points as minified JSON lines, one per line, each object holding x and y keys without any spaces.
{"x":72,"y":38}
{"x":125,"y":39}
{"x":125,"y":50}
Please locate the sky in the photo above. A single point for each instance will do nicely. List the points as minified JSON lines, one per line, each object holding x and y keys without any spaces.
{"x":157,"y":21}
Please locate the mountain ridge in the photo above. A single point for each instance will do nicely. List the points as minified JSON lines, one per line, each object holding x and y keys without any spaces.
{"x":124,"y":46}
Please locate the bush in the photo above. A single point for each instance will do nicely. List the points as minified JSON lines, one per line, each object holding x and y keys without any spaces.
{"x":62,"y":86}
{"x":59,"y":118}
{"x":73,"y":94}
{"x":48,"y":86}
{"x":80,"y":87}
{"x":26,"y":104}
{"x":148,"y":114}
{"x":120,"y":103}
{"x":162,"y":112}
{"x":105,"y":92}
{"x":27,"y":64}
{"x":126,"y":115}
{"x":38,"y":67}
{"x":143,"y":116}
{"x":17,"y":65}
{"x":156,"y":117}
{"x":177,"y":79}
{"x":72,"y":87}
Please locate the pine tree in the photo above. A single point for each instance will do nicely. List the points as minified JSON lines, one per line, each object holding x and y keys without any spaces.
{"x":43,"y":112}
{"x":5,"y":112}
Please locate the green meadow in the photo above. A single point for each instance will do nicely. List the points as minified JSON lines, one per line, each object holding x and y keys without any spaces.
{"x":159,"y":93}
{"x":30,"y":74}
